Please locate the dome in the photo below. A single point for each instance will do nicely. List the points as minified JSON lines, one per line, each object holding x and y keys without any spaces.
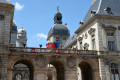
{"x":5,"y":1}
{"x":21,"y":31}
{"x":59,"y":29}
{"x":14,"y":26}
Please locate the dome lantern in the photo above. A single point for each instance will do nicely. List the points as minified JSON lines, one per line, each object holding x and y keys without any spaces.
{"x":58,"y":17}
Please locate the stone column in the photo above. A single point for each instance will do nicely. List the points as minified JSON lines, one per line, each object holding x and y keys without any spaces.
{"x":102,"y":69}
{"x":3,"y":66}
{"x":40,"y":74}
{"x":71,"y":74}
{"x":9,"y":74}
{"x":40,"y":70}
{"x":71,"y":69}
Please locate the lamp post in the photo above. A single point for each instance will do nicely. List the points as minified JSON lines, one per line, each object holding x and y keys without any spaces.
{"x":40,"y":45}
{"x":24,"y":44}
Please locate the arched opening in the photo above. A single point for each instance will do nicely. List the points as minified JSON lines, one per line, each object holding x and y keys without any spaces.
{"x":55,"y":70}
{"x":84,"y":71}
{"x":22,"y":70}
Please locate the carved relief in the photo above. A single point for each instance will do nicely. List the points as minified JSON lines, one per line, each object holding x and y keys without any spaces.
{"x":110,"y":28}
{"x":86,"y":46}
{"x":41,"y":61}
{"x":80,"y":38}
{"x":91,"y":31}
{"x":71,"y":62}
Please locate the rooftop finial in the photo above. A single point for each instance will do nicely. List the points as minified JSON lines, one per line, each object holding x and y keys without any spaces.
{"x":57,"y":8}
{"x":21,"y":27}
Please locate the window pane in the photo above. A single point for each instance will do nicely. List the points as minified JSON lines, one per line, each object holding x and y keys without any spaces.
{"x":114,"y":71}
{"x":112,"y":77}
{"x":116,"y":77}
{"x":110,"y":34}
{"x":111,"y":46}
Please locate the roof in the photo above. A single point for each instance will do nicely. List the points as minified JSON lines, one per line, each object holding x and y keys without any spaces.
{"x":71,"y":40}
{"x":58,"y":29}
{"x":14,"y":26}
{"x":100,"y":5}
{"x":5,"y":1}
{"x":103,"y":7}
{"x":94,"y":6}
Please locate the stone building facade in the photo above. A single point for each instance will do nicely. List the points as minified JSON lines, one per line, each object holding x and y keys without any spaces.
{"x":92,"y":53}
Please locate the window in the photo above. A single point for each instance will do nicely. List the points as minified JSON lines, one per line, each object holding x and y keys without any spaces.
{"x":110,"y":34}
{"x":64,"y":38}
{"x":118,"y":27}
{"x":111,"y":46}
{"x":114,"y":71}
{"x":57,"y":39}
{"x":93,"y":44}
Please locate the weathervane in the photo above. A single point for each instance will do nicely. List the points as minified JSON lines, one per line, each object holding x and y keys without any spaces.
{"x":57,"y":8}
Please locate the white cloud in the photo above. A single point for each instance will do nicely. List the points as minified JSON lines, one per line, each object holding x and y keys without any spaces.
{"x":18,"y":6}
{"x":41,"y":35}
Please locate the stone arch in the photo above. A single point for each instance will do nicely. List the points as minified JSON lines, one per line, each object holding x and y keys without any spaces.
{"x":26,"y":61}
{"x":59,"y":67}
{"x":92,"y":65}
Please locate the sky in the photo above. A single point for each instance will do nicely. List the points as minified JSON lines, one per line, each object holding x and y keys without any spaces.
{"x":36,"y":17}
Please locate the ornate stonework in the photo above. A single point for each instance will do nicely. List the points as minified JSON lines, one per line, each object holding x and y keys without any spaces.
{"x":71,"y":62}
{"x":91,"y":31}
{"x":41,"y":61}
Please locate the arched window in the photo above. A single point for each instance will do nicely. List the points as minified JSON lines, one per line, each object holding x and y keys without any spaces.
{"x":114,"y":71}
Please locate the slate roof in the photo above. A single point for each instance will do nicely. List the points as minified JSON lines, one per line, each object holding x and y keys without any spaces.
{"x":14,"y":26}
{"x":58,"y":29}
{"x":100,"y":5}
{"x":71,"y":40}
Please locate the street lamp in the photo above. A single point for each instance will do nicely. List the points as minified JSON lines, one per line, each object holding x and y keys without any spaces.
{"x":24,"y":45}
{"x":40,"y":45}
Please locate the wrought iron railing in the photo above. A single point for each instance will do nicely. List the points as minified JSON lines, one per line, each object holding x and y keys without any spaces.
{"x":52,"y":51}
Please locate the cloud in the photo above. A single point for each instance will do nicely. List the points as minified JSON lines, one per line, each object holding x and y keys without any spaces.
{"x":41,"y":35}
{"x":18,"y":6}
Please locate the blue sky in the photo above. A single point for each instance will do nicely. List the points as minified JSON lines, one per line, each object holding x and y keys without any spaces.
{"x":36,"y":17}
